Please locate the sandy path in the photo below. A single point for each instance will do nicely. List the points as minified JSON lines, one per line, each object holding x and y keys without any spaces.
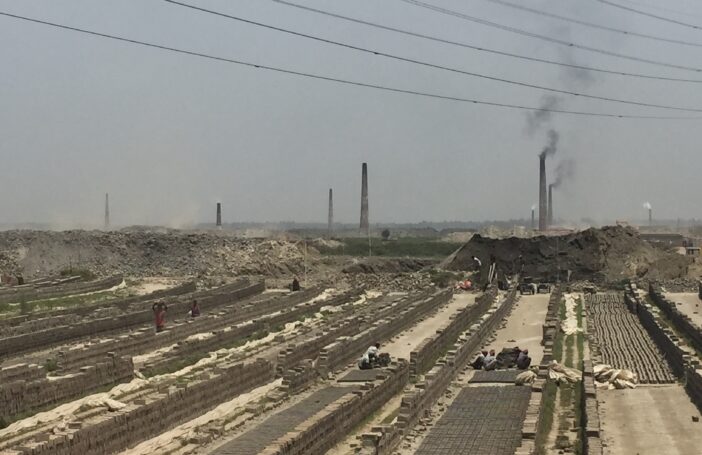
{"x":690,"y":304}
{"x":524,"y":327}
{"x":649,"y":420}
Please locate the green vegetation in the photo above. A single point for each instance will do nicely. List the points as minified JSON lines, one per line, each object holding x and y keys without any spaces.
{"x":26,"y":307}
{"x":51,"y":365}
{"x":405,"y":246}
{"x":85,"y":274}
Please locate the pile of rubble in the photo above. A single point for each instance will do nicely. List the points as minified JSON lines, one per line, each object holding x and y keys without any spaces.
{"x":149,"y":253}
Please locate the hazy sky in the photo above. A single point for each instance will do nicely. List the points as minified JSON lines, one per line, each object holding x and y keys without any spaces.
{"x":168,"y":135}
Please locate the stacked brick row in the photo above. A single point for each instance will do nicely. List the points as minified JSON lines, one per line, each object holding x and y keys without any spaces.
{"x":431,"y":348}
{"x":144,"y":340}
{"x":286,"y":310}
{"x":147,"y":416}
{"x":30,"y":292}
{"x":48,"y":318}
{"x":44,"y":338}
{"x":21,"y":372}
{"x":619,"y":339}
{"x":22,"y":396}
{"x":682,"y":358}
{"x":344,"y":351}
{"x":590,"y":418}
{"x":319,"y":433}
{"x":682,"y":322}
{"x":533,"y":416}
{"x":417,"y":402}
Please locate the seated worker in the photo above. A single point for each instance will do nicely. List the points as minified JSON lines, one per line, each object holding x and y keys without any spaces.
{"x":295,"y":286}
{"x":490,"y":361}
{"x":523,"y":361}
{"x":194,"y":309}
{"x":479,"y":361}
{"x":364,"y":362}
{"x":372,"y":352}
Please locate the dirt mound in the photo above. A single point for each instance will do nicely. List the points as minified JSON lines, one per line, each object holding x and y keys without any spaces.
{"x":387,"y":265}
{"x":148,"y":253}
{"x":602,"y":255}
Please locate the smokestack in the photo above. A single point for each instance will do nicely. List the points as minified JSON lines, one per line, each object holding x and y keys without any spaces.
{"x":219,"y":214}
{"x":549,"y":212}
{"x":364,"y":198}
{"x":107,"y":210}
{"x":650,"y":217}
{"x":330,"y":221}
{"x":542,"y":192}
{"x":532,"y":218}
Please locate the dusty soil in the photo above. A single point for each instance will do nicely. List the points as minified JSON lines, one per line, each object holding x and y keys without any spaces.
{"x":649,"y":420}
{"x":606,"y":255}
{"x":524,"y":327}
{"x":689,"y":303}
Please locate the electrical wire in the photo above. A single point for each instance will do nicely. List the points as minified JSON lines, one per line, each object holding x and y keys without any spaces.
{"x":593,"y":25}
{"x":483,"y":49}
{"x":431,"y":65}
{"x":338,"y":80}
{"x":550,"y":39}
{"x":654,"y":16}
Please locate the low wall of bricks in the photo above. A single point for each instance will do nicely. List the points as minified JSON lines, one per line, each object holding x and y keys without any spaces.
{"x":45,"y":338}
{"x":29,"y":293}
{"x":151,"y":414}
{"x":423,"y":357}
{"x":342,"y":352}
{"x":680,"y":320}
{"x":145,"y":339}
{"x":417,"y":402}
{"x":682,"y":358}
{"x":49,"y":317}
{"x":589,"y":412}
{"x":21,"y":372}
{"x":321,"y":432}
{"x":22,"y":396}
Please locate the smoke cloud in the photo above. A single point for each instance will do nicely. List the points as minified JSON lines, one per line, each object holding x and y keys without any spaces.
{"x":551,"y":146}
{"x":647,"y":205}
{"x":536,"y":119}
{"x":564,"y":171}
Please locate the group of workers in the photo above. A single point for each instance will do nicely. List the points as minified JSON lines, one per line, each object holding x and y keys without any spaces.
{"x":488,"y":360}
{"x":159,"y":309}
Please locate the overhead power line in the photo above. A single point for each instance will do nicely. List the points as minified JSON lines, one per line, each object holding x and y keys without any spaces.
{"x":483,"y":49}
{"x":550,"y":39}
{"x":338,"y":80}
{"x":594,"y":25}
{"x":647,"y":14}
{"x":431,"y":65}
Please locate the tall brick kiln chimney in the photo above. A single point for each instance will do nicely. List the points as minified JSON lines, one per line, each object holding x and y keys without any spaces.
{"x":364,"y":198}
{"x":330,"y":220}
{"x":542,"y":193}
{"x":219,"y":214}
{"x":107,"y":210}
{"x":549,"y":212}
{"x":533,"y":225}
{"x":650,"y":217}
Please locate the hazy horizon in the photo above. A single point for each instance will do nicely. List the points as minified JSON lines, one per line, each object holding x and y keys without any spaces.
{"x":168,"y":135}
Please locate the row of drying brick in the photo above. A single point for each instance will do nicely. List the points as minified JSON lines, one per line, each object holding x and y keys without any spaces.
{"x":589,"y":412}
{"x":42,"y":320}
{"x":151,"y":414}
{"x":418,"y":401}
{"x":682,"y":322}
{"x":321,"y":432}
{"x":11,"y":346}
{"x":144,"y":340}
{"x":26,"y":396}
{"x":21,"y":396}
{"x":29,"y":293}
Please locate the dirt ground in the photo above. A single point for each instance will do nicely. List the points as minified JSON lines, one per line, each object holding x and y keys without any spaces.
{"x":690,"y":304}
{"x":649,"y":420}
{"x":524,"y":327}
